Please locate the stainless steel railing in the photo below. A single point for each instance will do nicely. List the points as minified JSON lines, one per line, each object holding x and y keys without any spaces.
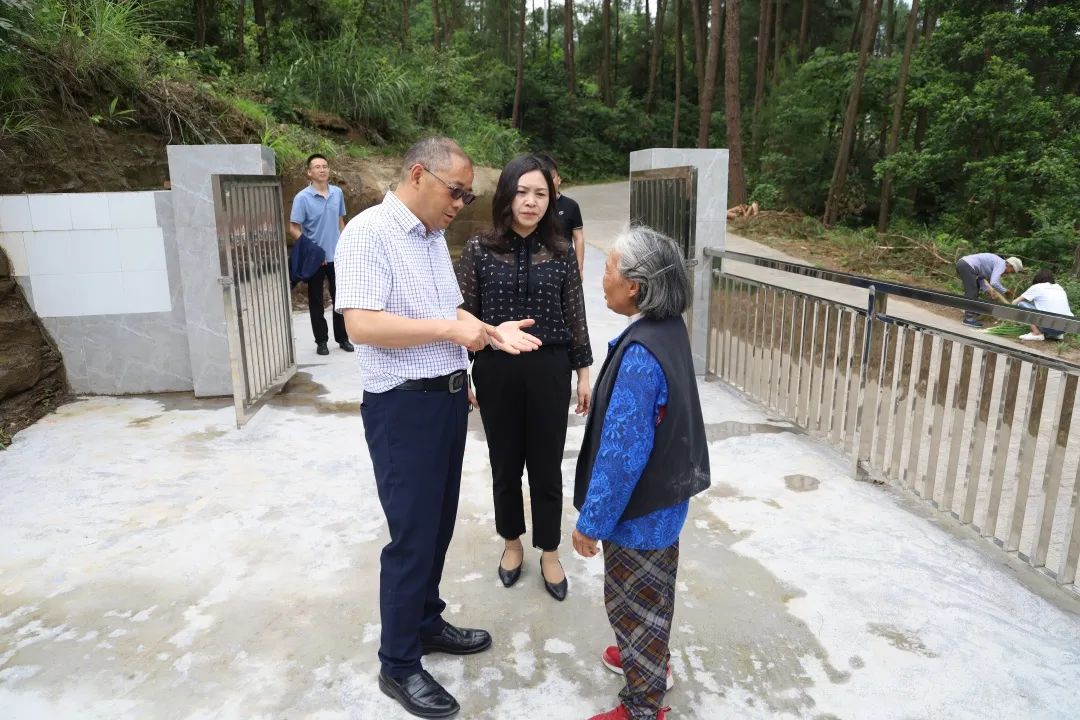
{"x":981,"y":431}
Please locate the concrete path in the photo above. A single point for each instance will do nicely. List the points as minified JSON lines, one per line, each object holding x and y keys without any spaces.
{"x":155,"y":562}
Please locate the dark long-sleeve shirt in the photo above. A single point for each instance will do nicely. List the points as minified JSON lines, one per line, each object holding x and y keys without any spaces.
{"x":528,"y":281}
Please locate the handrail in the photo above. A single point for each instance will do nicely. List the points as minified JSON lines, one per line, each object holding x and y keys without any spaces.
{"x":1052,"y":321}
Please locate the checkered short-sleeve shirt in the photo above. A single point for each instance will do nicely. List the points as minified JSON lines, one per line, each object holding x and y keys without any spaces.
{"x":387,"y":260}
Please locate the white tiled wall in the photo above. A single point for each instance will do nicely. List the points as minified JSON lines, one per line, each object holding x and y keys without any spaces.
{"x":87,"y":253}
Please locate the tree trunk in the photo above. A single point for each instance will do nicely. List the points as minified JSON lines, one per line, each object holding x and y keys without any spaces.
{"x":898,"y":114}
{"x":736,"y":176}
{"x":764,"y":27}
{"x":929,"y":20}
{"x":699,"y":49}
{"x":436,"y":31}
{"x":259,"y":9}
{"x":678,"y":71}
{"x":404,"y":24}
{"x":839,"y":176}
{"x":568,"y":44}
{"x":547,"y":27}
{"x":711,"y":62}
{"x":890,"y":28}
{"x":777,"y":32}
{"x":1076,"y":263}
{"x":654,"y":56}
{"x":856,"y":24}
{"x":618,"y":44}
{"x":510,"y":31}
{"x":648,"y":27}
{"x":519,"y":82}
{"x":240,"y":51}
{"x":202,"y":14}
{"x":606,"y":92}
{"x":804,"y":28}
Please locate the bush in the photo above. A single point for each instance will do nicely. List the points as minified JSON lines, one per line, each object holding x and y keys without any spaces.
{"x":766,"y":195}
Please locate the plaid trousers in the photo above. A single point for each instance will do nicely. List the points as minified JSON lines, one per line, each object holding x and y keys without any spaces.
{"x":639,"y":595}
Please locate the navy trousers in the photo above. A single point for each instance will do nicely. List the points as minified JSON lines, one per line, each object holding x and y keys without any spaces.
{"x":416,"y":440}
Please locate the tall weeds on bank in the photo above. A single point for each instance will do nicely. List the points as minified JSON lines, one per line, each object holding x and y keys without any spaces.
{"x":84,"y":55}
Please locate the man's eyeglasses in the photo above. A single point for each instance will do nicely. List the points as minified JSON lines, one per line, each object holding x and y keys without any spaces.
{"x":456,"y":193}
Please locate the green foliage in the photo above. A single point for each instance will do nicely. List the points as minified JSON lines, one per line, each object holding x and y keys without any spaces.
{"x":292,"y":144}
{"x":999,"y":160}
{"x":112,"y":42}
{"x":766,"y":195}
{"x":114,"y":115}
{"x":992,"y":95}
{"x":353,"y":78}
{"x":800,"y":130}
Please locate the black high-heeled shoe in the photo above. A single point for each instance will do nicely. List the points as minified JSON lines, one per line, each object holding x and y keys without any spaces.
{"x":556,"y":590}
{"x":509,"y":577}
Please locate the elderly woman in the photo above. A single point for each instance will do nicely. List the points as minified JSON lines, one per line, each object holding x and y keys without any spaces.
{"x":643,"y":456}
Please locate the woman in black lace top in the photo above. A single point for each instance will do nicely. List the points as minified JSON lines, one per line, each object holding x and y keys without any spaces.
{"x":523,"y":268}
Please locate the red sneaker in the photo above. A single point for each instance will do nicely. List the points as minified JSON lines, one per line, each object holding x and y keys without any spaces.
{"x":621,"y":713}
{"x":613,"y":662}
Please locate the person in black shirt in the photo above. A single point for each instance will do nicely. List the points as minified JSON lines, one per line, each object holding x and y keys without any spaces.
{"x":568,"y":213}
{"x":522,"y":268}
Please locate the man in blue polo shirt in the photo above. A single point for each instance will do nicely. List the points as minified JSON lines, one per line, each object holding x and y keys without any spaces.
{"x":318,"y":212}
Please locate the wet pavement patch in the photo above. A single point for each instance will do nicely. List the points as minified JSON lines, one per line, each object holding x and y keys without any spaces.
{"x":764,"y":649}
{"x":801,"y":483}
{"x":732,"y":429}
{"x":303,"y":393}
{"x":186,"y":401}
{"x":206,"y":435}
{"x":901,"y":639}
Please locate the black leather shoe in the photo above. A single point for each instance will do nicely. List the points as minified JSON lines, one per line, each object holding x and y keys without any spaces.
{"x":556,"y":590}
{"x":420,"y":694}
{"x":321,"y":349}
{"x":346,"y":346}
{"x":457,"y":641}
{"x":509,"y":577}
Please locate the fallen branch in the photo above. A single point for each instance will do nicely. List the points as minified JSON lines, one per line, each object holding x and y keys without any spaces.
{"x":742,"y":211}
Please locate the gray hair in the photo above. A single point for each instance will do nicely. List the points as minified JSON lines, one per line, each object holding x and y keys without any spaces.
{"x":657,"y":264}
{"x":434,"y":153}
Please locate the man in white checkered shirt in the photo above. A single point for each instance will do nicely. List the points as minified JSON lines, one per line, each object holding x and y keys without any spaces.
{"x":399,"y":295}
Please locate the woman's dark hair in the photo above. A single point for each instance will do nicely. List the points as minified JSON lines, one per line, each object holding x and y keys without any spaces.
{"x":1044,"y":276}
{"x":502,"y":215}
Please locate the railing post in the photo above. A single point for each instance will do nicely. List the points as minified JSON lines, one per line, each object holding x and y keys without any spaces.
{"x":713,"y":329}
{"x":876,"y":304}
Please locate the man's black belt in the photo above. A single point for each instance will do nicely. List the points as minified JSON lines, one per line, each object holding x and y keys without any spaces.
{"x":454,"y":382}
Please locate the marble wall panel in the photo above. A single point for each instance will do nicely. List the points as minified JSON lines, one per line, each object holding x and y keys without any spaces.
{"x":125,"y":353}
{"x":190,"y":170}
{"x":15,"y":213}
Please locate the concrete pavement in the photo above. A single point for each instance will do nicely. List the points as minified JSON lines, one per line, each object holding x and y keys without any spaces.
{"x":156,"y":562}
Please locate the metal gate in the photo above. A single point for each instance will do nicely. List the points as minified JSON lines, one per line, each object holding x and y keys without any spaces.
{"x":665,"y":199}
{"x":255,"y":285}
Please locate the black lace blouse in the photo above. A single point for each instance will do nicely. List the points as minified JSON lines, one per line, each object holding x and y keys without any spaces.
{"x":528,"y":281}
